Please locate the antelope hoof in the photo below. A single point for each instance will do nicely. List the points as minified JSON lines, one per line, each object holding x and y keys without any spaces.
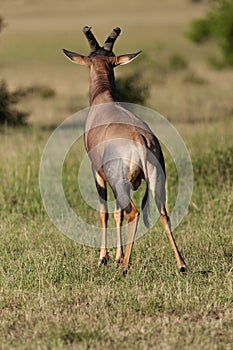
{"x":102,"y":261}
{"x":118,"y":262}
{"x":182,"y":269}
{"x":125,"y":269}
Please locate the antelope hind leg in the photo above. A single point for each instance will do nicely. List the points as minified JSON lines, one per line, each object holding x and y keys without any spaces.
{"x":132,"y":218}
{"x":102,"y":192}
{"x":166,"y":225}
{"x":118,"y":216}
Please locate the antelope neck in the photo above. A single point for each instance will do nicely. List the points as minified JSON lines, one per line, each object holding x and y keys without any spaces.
{"x":102,"y":86}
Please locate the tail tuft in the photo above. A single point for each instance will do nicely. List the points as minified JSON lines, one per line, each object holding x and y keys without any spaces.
{"x":146,"y":207}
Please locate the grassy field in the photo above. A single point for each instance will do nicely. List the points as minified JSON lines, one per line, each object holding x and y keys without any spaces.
{"x":52,"y":294}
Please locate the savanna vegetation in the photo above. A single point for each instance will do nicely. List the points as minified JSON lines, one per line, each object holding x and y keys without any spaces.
{"x":217,"y":24}
{"x":52,"y":294}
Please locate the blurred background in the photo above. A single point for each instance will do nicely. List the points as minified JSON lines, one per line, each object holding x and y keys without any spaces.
{"x":174,"y":75}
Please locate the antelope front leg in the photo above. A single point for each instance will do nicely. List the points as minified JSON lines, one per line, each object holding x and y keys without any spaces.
{"x":118,"y":216}
{"x":132,"y":218}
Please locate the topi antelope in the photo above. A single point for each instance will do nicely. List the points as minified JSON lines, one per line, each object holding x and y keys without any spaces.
{"x":122,"y":149}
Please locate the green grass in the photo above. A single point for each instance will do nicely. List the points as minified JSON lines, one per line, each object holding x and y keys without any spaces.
{"x":52,"y":294}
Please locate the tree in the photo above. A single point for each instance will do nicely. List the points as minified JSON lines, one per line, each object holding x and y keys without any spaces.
{"x":217,"y":24}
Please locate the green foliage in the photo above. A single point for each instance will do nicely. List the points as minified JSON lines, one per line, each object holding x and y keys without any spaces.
{"x":222,"y":28}
{"x":132,"y":89}
{"x":217,"y":24}
{"x":199,"y":31}
{"x":8,"y":113}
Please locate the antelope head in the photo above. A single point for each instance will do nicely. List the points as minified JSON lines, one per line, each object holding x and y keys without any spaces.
{"x":100,"y":56}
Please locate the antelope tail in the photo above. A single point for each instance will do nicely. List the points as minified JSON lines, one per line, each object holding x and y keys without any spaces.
{"x":146,"y":206}
{"x":145,"y":201}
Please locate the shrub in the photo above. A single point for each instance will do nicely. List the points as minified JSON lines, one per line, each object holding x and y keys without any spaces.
{"x":132,"y":89}
{"x":217,"y":24}
{"x":199,"y":31}
{"x":8,"y":114}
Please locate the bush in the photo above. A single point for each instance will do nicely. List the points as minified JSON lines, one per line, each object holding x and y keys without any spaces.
{"x":131,"y":89}
{"x":8,"y":114}
{"x":218,"y":24}
{"x":199,"y":31}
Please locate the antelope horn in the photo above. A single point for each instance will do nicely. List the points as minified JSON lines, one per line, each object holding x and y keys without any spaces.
{"x":108,"y":45}
{"x":91,"y":39}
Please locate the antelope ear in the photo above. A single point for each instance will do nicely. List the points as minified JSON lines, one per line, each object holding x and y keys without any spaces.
{"x":124,"y":59}
{"x":76,"y":58}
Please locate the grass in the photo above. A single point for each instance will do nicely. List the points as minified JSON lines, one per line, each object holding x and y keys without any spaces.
{"x":52,"y":294}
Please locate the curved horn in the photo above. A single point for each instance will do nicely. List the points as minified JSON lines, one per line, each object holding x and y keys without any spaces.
{"x":108,"y":45}
{"x":91,"y":39}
